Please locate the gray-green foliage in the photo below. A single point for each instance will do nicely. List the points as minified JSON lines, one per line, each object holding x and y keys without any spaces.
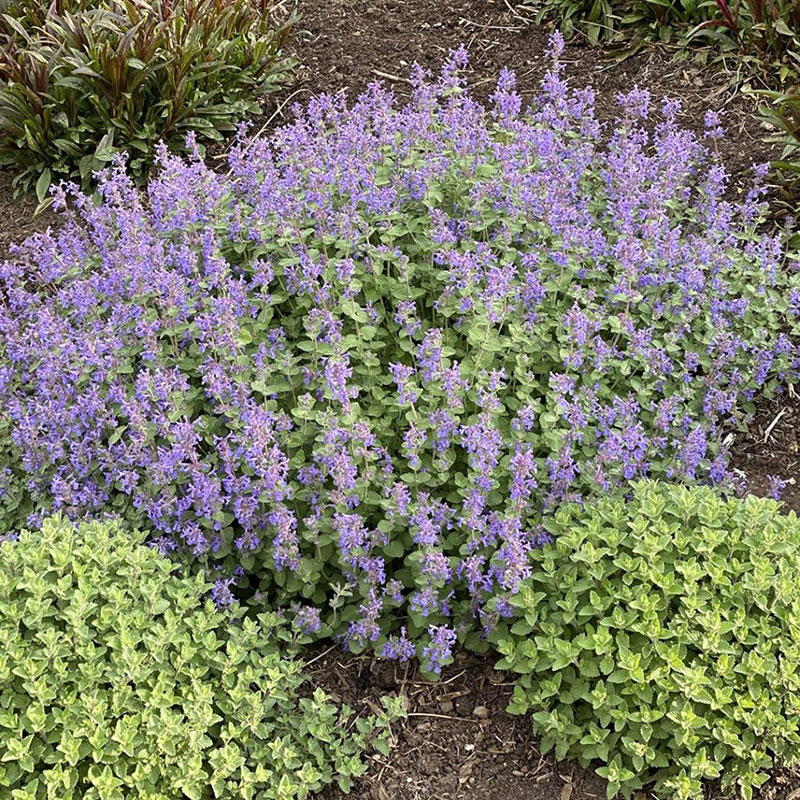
{"x":121,"y":680}
{"x":662,"y":637}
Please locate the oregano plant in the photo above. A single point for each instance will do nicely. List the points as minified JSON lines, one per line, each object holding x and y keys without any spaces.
{"x":122,"y":680}
{"x":660,"y":636}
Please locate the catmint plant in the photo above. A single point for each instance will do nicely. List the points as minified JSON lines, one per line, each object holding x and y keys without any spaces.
{"x":361,"y":365}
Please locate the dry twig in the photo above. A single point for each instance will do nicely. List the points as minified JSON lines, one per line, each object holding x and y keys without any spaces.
{"x":772,"y":424}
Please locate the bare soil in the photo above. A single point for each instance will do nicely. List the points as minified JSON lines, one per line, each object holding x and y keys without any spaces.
{"x":458,"y":742}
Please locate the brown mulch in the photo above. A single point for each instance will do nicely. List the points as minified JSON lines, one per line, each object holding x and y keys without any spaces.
{"x":458,"y":741}
{"x":771,"y":446}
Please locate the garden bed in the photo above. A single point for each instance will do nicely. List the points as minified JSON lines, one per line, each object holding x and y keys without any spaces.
{"x":349,"y":44}
{"x":346,"y":44}
{"x":458,"y":740}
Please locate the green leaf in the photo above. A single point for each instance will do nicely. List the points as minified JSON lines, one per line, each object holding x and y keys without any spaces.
{"x":42,"y":185}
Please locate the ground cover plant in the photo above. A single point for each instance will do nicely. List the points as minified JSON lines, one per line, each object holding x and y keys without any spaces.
{"x":762,"y":32}
{"x":353,"y":372}
{"x":121,"y":679}
{"x":661,"y":636}
{"x":83,"y":79}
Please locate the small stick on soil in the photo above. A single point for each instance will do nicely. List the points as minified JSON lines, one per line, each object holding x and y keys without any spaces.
{"x":372,"y":707}
{"x":538,"y":767}
{"x":483,"y":80}
{"x":526,"y":20}
{"x":389,"y":76}
{"x":772,"y":424}
{"x":515,"y":28}
{"x":440,"y":683}
{"x":444,"y":716}
{"x":321,"y":655}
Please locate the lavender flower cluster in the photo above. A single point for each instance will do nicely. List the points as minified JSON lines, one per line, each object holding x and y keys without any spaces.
{"x":353,"y":372}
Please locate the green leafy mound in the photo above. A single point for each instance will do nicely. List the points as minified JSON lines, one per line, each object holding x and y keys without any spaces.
{"x":661,"y":636}
{"x":120,"y":680}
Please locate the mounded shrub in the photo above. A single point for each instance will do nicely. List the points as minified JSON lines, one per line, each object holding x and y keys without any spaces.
{"x":83,"y":79}
{"x":121,"y":680}
{"x":661,"y":636}
{"x":355,"y":370}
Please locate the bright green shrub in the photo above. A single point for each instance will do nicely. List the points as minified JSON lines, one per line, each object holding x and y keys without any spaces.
{"x":662,"y":637}
{"x":83,"y":79}
{"x":120,"y":680}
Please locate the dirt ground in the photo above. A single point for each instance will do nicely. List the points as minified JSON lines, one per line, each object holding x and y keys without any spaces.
{"x":458,"y":741}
